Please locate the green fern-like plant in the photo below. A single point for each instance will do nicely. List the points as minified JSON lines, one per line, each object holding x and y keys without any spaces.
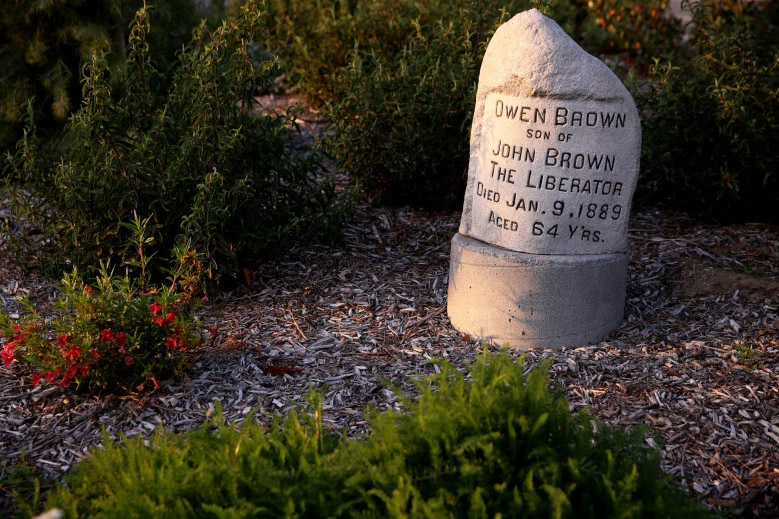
{"x":495,"y":443}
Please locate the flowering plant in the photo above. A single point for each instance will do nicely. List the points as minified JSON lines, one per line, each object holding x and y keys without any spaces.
{"x":120,"y":335}
{"x":107,"y":338}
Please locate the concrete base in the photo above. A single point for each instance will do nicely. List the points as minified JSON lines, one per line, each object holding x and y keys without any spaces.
{"x":525,"y":300}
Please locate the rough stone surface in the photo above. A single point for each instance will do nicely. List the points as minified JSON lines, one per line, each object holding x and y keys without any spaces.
{"x":541,"y":256}
{"x":532,"y":300}
{"x":555,"y":146}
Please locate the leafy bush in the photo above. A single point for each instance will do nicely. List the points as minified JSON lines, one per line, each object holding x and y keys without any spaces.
{"x":400,"y":79}
{"x":639,"y":29}
{"x":188,"y":148}
{"x":21,"y":486}
{"x":401,"y":127}
{"x":314,"y":37}
{"x":44,"y":45}
{"x":122,"y":334}
{"x":402,"y":123}
{"x":317,"y":37}
{"x":498,"y":445}
{"x":711,"y":116}
{"x":401,"y":90}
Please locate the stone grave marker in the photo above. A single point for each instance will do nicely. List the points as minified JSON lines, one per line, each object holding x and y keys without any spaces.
{"x":541,"y":258}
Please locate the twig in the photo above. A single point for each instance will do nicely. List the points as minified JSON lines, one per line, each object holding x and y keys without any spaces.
{"x":295,"y":322}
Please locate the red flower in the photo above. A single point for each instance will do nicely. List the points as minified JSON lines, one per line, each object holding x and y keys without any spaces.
{"x":74,"y":369}
{"x":70,"y":372}
{"x":174,"y":343}
{"x":35,"y":378}
{"x":62,"y":341}
{"x":7,"y":353}
{"x":154,"y":308}
{"x":51,"y":375}
{"x":140,"y":387}
{"x":89,"y":290}
{"x":205,"y":299}
{"x":71,"y":354}
{"x":129,"y":360}
{"x":213,"y":331}
{"x":18,"y":328}
{"x":107,"y":335}
{"x":120,"y":339}
{"x":95,"y":354}
{"x":169,"y":318}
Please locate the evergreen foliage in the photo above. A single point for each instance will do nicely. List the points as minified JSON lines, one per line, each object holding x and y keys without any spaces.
{"x":21,"y":487}
{"x":711,"y":114}
{"x":400,"y":76}
{"x":401,"y":125}
{"x":188,"y":148}
{"x":496,"y":443}
{"x":44,"y":44}
{"x":402,"y":118}
{"x":316,"y":38}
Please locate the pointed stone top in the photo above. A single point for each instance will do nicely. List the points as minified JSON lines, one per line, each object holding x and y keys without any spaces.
{"x":533,"y":53}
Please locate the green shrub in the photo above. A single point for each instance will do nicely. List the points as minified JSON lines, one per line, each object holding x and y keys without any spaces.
{"x":21,"y":487}
{"x":711,"y":116}
{"x":495,"y":444}
{"x":44,"y":45}
{"x":188,"y":148}
{"x":18,"y":484}
{"x":317,"y":37}
{"x":639,"y":29}
{"x":401,"y":127}
{"x":314,"y":37}
{"x":121,"y":335}
{"x":403,"y":119}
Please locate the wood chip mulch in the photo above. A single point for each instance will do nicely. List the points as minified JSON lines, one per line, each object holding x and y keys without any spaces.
{"x":696,"y":359}
{"x":700,"y":371}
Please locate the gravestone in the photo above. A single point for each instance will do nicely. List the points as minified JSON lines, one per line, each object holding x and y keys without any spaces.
{"x":541,"y":258}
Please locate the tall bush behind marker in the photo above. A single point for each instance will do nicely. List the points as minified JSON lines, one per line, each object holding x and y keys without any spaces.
{"x":315,"y":38}
{"x":712,"y":114}
{"x":401,"y":124}
{"x":402,"y":119}
{"x":709,"y":114}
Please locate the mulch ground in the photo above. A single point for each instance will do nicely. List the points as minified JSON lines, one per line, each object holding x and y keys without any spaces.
{"x":695,"y":361}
